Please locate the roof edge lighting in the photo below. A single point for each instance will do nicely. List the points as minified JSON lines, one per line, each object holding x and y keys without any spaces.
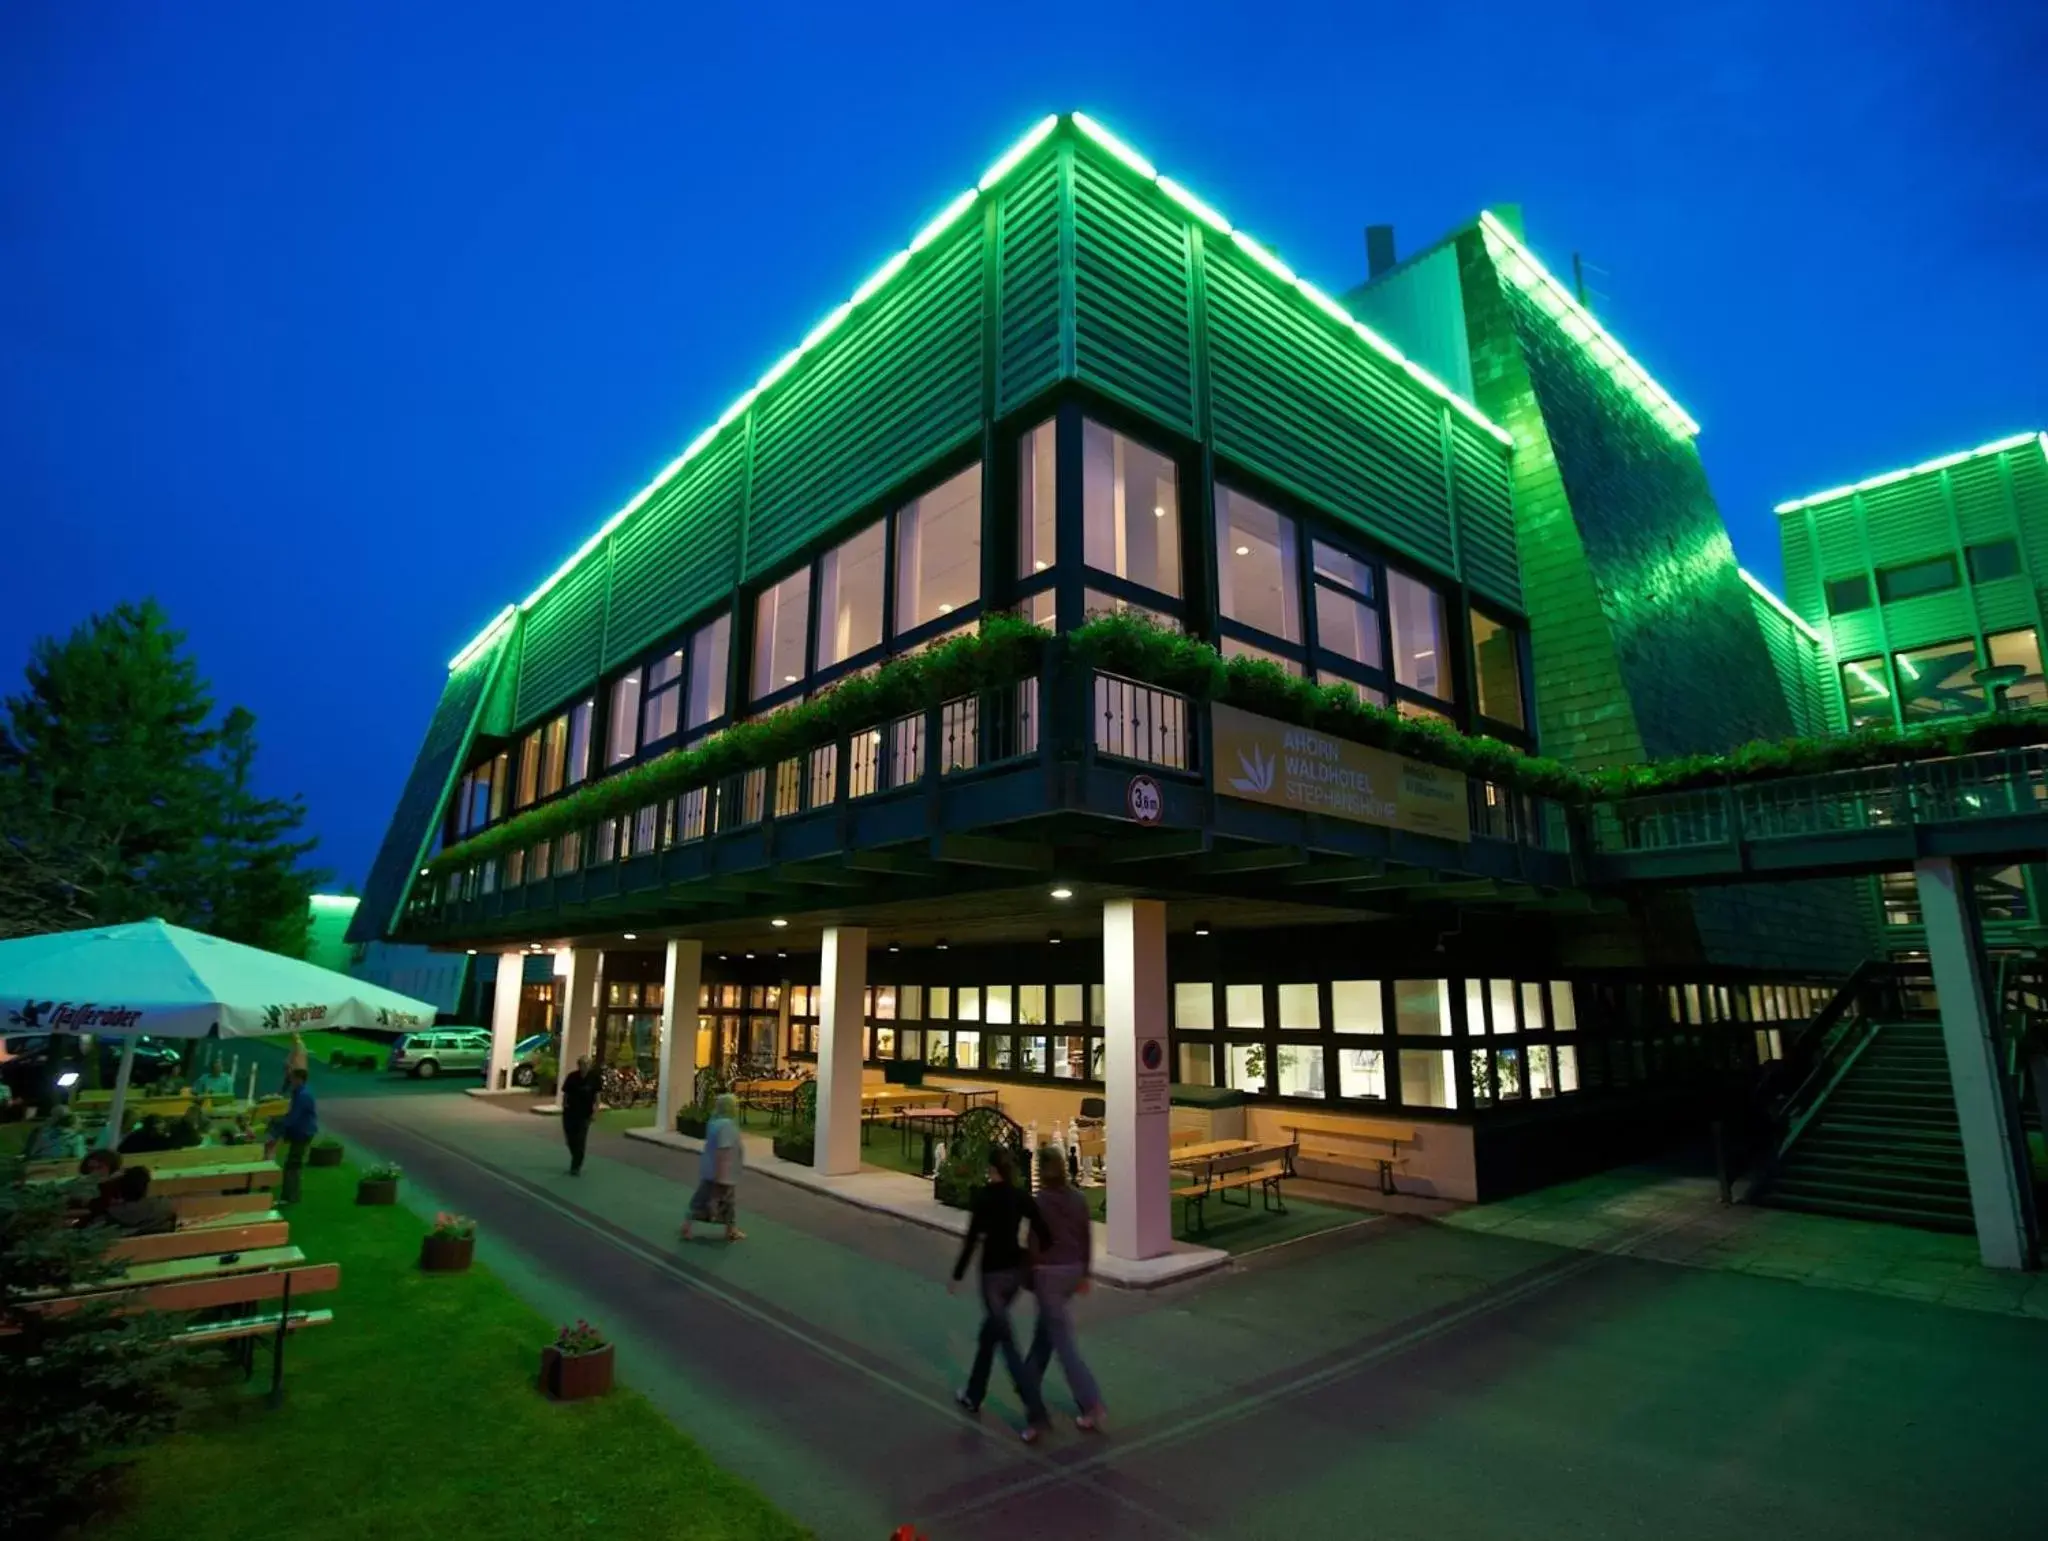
{"x":1598,"y":341}
{"x":1904,"y":473}
{"x":946,"y":218}
{"x":1779,"y":605}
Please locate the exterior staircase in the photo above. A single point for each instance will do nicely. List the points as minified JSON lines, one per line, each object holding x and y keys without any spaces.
{"x":1884,"y":1144}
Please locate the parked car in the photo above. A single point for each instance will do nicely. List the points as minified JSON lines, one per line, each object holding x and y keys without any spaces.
{"x":441,"y":1050}
{"x":30,"y":1074}
{"x":524,"y":1053}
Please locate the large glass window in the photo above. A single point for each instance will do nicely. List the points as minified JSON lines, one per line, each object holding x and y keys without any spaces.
{"x":1194,"y":1008}
{"x":1993,"y":560}
{"x":579,"y":741}
{"x":1864,"y":691}
{"x":1197,"y":1064}
{"x":1938,"y":681}
{"x":780,"y":615}
{"x":850,"y":598}
{"x":1301,"y":1070}
{"x":661,"y":701}
{"x":710,"y":649}
{"x":1130,"y":502}
{"x":2020,"y":647}
{"x":1913,"y":579}
{"x":1299,"y":1012}
{"x":1497,"y":668}
{"x":1361,"y":1073}
{"x":620,"y":740}
{"x":1421,"y":658}
{"x":1848,"y":595}
{"x":1422,"y":1006}
{"x":1037,"y":522}
{"x":554,"y":755}
{"x":938,"y":551}
{"x":1257,"y":576}
{"x":1355,"y":1006}
{"x":1428,"y":1079}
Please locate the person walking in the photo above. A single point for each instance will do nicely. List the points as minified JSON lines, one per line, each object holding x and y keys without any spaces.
{"x":718,"y":1171}
{"x":1060,"y":1271}
{"x":296,"y":1129}
{"x":579,"y":1106}
{"x":1000,"y":1211}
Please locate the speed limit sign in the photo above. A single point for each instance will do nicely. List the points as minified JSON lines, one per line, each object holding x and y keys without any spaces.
{"x":1143,"y":799}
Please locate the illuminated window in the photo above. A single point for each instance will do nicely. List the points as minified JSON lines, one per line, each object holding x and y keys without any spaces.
{"x":1865,"y":693}
{"x":1355,"y":1006}
{"x":1299,"y":1012}
{"x":554,"y":755}
{"x":1913,"y":579}
{"x":1037,"y":459}
{"x":1428,"y":1078}
{"x":621,"y":742}
{"x":1257,"y":575}
{"x":850,"y":598}
{"x":1938,"y":681}
{"x":710,"y":649}
{"x":2020,"y":647}
{"x":1422,"y":1007}
{"x":1994,"y":559}
{"x":1421,"y":659}
{"x":780,"y":615}
{"x":1194,"y":1007}
{"x":1848,"y":595}
{"x":1362,"y":1073}
{"x":938,"y":551}
{"x":1301,"y":1070}
{"x":1197,"y":1062}
{"x":1497,"y":667}
{"x":661,"y":700}
{"x":529,"y":768}
{"x":1130,"y":504}
{"x":579,"y":741}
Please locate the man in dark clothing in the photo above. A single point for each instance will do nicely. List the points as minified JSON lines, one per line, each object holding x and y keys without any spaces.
{"x":146,"y":1137}
{"x":300,"y":1123}
{"x":138,"y":1211}
{"x":1000,"y":1211}
{"x":579,"y":1107}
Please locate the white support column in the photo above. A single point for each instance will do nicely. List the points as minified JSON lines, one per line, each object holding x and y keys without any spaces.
{"x":842,"y":1012}
{"x":680,"y":980}
{"x":579,"y":1009}
{"x":1137,"y":1076}
{"x":505,"y":1000}
{"x":118,"y":1108}
{"x":1954,"y":948}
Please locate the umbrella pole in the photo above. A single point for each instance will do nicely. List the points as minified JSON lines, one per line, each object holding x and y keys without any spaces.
{"x":111,"y":1135}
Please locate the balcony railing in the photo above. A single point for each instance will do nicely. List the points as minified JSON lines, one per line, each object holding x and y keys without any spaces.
{"x":1996,"y":784}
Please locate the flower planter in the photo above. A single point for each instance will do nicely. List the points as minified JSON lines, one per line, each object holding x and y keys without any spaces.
{"x":691,"y":1127}
{"x":446,"y":1254}
{"x":383,"y":1190}
{"x":573,"y":1377}
{"x":799,"y":1149}
{"x":324,"y":1155}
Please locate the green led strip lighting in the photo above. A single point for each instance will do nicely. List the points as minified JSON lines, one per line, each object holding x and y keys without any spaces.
{"x":1939,"y":463}
{"x":940,"y":223}
{"x":1779,"y":605}
{"x":1535,"y":280}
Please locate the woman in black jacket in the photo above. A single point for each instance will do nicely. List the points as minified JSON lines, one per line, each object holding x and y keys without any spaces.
{"x":1001,"y":1210}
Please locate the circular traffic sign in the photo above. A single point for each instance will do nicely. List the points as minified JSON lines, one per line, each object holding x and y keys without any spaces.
{"x":1144,"y":800}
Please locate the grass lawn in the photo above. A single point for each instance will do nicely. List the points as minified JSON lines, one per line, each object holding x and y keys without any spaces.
{"x":416,"y":1414}
{"x":321,"y":1043}
{"x":1231,"y":1228}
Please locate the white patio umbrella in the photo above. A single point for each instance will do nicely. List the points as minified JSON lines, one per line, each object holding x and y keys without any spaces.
{"x":152,"y":977}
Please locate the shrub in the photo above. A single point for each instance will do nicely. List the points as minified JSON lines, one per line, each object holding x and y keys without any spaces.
{"x":77,"y":1392}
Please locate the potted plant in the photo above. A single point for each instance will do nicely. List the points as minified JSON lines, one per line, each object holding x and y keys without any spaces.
{"x":577,"y":1364}
{"x":545,"y":1068}
{"x":450,"y":1246}
{"x":325,"y":1151}
{"x":693,"y":1120}
{"x":798,"y":1144}
{"x":379,"y":1185}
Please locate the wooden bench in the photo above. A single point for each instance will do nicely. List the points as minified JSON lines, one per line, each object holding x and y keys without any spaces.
{"x":159,"y":1162}
{"x":237,"y":1233}
{"x":237,"y":1177}
{"x":190,"y":1207}
{"x":1358,"y":1143}
{"x":1264,"y":1167}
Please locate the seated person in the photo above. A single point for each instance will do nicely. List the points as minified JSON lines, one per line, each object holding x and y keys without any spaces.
{"x":188,"y":1131}
{"x":93,"y":1189}
{"x":215,"y":1083}
{"x":138,"y":1211}
{"x":58,"y":1139}
{"x":147,"y":1136}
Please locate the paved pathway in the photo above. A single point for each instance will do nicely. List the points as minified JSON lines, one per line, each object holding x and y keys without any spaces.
{"x":1402,"y":1378}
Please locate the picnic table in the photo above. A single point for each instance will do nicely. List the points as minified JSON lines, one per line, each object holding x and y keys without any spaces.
{"x":234,"y":1177}
{"x":180,"y":1270}
{"x":772,"y":1095}
{"x":1207,"y":1150}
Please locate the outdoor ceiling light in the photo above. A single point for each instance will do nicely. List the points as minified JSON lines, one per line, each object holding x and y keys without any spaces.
{"x":1244,"y":550}
{"x":1201,"y":928}
{"x":782,"y":955}
{"x":1053,"y":937}
{"x":68,"y":1079}
{"x":631,"y":936}
{"x":894,"y":948}
{"x":1063,"y":893}
{"x":942,"y":944}
{"x":750,"y":955}
{"x":472,"y":952}
{"x":778,"y":922}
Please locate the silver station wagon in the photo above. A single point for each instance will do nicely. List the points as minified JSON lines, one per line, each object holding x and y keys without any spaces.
{"x":442,"y":1050}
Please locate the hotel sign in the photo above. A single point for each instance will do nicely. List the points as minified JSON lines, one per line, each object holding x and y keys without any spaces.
{"x":1264,"y":761}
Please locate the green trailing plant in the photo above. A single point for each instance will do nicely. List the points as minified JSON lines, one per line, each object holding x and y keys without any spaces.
{"x":1007,"y":649}
{"x":78,"y":1391}
{"x":1004,"y":650}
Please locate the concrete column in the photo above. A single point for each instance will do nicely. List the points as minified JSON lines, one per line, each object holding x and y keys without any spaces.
{"x":1955,"y":949}
{"x":843,"y":982}
{"x":579,"y":1006}
{"x":679,"y":982}
{"x":505,"y":1001}
{"x":1136,"y":1074}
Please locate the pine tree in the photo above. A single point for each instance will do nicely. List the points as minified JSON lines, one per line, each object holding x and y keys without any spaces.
{"x":121,"y":798}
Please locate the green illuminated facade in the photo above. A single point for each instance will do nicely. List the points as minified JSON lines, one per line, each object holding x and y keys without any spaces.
{"x":1919,"y":581}
{"x":1080,"y":392}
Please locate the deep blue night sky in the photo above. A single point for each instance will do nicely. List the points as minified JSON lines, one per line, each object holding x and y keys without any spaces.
{"x":336,"y":327}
